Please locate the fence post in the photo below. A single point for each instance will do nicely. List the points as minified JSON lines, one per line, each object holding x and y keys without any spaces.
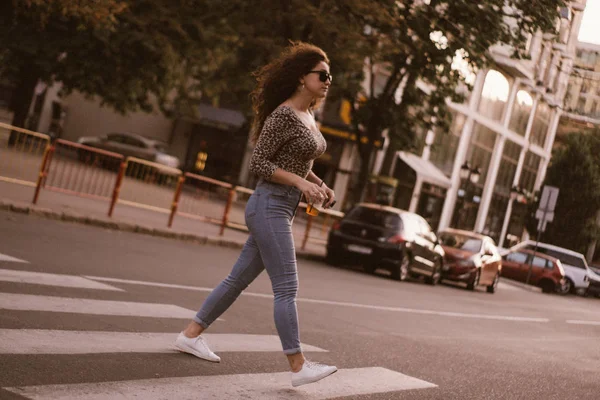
{"x":43,"y":172}
{"x":227,"y":209}
{"x":117,"y":188}
{"x":176,"y":199}
{"x":307,"y":231}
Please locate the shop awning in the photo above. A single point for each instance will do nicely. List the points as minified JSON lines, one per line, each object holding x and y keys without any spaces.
{"x":221,"y":117}
{"x":425,"y":169}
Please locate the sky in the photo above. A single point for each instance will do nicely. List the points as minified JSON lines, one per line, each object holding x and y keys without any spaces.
{"x":590,"y":29}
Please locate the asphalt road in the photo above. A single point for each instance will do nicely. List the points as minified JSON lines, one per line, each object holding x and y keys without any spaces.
{"x":390,"y":340}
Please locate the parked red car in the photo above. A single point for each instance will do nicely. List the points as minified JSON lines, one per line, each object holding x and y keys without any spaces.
{"x":471,"y":258}
{"x":546,"y":272}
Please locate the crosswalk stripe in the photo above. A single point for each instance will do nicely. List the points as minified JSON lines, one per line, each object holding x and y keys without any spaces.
{"x":43,"y":278}
{"x":265,"y":386}
{"x":40,"y":341}
{"x":4,"y":257}
{"x":27,"y":302}
{"x":580,"y":322}
{"x":156,"y":284}
{"x":342,"y":303}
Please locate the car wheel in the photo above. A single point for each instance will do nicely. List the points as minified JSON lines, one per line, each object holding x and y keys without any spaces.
{"x":492,"y":288}
{"x":567,"y":287}
{"x":475,"y":283}
{"x":401,"y":272}
{"x":437,"y":274}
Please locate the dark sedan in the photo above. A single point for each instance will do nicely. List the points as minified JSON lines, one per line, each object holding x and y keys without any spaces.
{"x":470,"y":258}
{"x":377,"y":236}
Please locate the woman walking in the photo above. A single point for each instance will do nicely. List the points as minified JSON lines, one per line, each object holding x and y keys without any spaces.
{"x":287,"y":141}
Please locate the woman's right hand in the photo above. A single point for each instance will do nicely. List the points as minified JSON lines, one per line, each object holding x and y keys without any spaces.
{"x":313,"y":193}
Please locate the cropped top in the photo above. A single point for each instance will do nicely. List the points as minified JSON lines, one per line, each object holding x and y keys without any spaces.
{"x":286,"y":142}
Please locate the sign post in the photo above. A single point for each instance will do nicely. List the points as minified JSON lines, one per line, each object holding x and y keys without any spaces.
{"x":544,"y":214}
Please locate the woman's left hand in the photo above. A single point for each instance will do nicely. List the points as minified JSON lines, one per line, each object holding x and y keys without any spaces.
{"x":330,"y":198}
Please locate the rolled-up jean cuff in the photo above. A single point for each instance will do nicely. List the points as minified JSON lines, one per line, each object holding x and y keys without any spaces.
{"x":289,"y":352}
{"x":200,"y":322}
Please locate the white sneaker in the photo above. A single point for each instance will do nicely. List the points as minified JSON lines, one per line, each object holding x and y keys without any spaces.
{"x":311,"y":372}
{"x":196,"y":346}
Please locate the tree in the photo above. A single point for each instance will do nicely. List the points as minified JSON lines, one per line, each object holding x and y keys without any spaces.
{"x":131,"y":53}
{"x":418,"y":41}
{"x":575,"y":170}
{"x":413,"y":41}
{"x":29,"y":53}
{"x":136,"y":53}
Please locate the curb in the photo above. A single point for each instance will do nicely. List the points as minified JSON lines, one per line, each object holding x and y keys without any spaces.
{"x":131,"y":227}
{"x":521,"y":285}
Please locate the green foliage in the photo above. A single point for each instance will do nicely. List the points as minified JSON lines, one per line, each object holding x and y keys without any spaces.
{"x":133,"y":54}
{"x":130,"y":53}
{"x":575,"y":170}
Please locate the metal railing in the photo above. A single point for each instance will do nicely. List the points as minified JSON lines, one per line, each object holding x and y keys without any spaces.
{"x":317,"y":227}
{"x":21,"y":154}
{"x":29,"y":158}
{"x":147,"y":185}
{"x":73,"y":168}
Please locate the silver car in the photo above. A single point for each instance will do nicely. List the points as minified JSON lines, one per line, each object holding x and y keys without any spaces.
{"x":132,"y":145}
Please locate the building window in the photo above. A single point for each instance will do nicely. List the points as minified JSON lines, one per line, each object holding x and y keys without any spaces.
{"x":508,"y":167}
{"x":541,"y":122}
{"x":585,"y":86}
{"x":501,"y":195}
{"x":494,"y":95}
{"x":521,"y":112}
{"x":581,"y":105}
{"x":443,"y":149}
{"x":478,"y":155}
{"x":529,"y":173}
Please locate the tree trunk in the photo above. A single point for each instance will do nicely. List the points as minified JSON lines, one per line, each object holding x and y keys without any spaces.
{"x":21,"y":100}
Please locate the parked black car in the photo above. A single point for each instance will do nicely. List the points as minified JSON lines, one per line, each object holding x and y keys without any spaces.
{"x":377,"y":236}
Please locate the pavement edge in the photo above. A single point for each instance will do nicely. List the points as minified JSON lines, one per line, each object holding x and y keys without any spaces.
{"x":72,"y":217}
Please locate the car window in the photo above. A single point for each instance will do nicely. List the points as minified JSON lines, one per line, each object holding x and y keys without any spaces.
{"x":517,"y":257}
{"x":375,"y":217}
{"x":131,"y":141}
{"x":539,"y":262}
{"x":566,"y":259}
{"x":115,"y":137}
{"x":460,"y":242}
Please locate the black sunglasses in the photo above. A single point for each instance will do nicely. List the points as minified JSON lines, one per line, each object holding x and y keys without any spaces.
{"x":323,"y":75}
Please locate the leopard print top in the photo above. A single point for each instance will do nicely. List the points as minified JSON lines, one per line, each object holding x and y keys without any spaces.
{"x":286,"y":142}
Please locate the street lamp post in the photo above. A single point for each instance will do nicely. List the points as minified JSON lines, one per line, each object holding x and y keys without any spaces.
{"x":469,"y":177}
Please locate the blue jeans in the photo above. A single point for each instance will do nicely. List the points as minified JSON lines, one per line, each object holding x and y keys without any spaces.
{"x":269,"y":215}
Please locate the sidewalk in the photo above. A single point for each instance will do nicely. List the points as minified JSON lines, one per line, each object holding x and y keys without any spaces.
{"x":89,"y":211}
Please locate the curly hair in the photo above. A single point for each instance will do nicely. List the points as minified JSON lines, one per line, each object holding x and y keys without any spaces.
{"x":278,"y":80}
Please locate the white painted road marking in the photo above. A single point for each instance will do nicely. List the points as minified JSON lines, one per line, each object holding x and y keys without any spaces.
{"x":580,"y":322}
{"x":42,"y":278}
{"x":4,"y":257}
{"x":144,"y":283}
{"x":266,"y":386}
{"x":26,"y":302}
{"x":41,"y":341}
{"x":340,"y":303}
